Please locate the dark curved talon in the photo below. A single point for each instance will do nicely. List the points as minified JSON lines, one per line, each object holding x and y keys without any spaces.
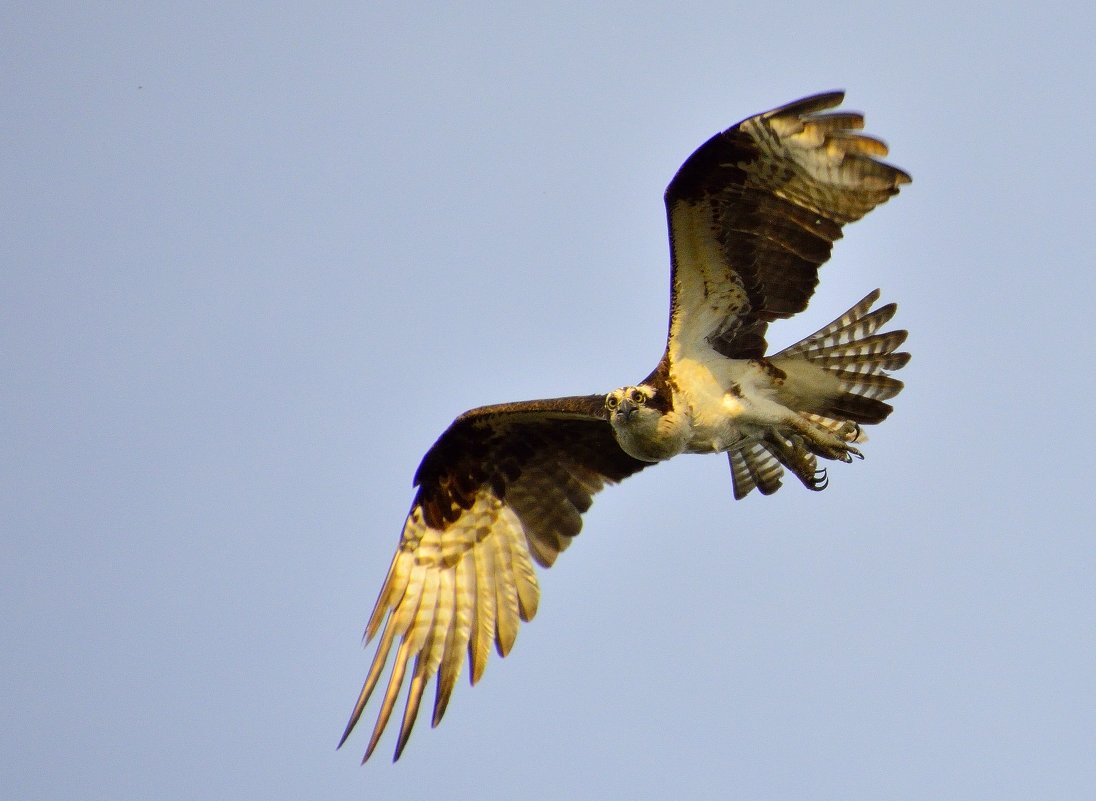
{"x":820,"y":481}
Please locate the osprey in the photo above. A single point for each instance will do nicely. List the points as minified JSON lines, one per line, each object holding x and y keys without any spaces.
{"x":753,"y":214}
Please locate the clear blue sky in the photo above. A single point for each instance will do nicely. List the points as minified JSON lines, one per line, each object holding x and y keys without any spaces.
{"x":255,"y":258}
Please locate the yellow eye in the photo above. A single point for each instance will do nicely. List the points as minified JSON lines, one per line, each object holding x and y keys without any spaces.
{"x":638,"y":397}
{"x":610,"y":402}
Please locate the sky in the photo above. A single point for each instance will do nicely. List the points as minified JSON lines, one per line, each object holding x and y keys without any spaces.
{"x":255,"y":259}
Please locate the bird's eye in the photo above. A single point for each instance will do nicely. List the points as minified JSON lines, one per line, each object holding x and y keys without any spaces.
{"x":638,"y":397}
{"x":610,"y":402}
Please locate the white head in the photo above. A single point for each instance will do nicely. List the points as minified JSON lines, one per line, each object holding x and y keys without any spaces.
{"x":639,"y":416}
{"x":629,"y":405}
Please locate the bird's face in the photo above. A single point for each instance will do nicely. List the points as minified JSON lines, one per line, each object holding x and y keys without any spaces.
{"x":639,"y":416}
{"x":626,"y":403}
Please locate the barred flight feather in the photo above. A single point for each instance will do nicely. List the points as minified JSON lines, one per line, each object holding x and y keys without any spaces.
{"x":503,"y":486}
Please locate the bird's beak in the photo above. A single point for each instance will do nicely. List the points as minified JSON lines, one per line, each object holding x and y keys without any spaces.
{"x":626,"y":409}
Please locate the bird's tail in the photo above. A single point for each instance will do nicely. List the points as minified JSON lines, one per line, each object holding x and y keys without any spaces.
{"x":854,"y":358}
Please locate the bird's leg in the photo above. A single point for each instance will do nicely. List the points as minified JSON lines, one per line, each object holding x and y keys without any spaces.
{"x":793,"y":454}
{"x":849,"y":430}
{"x":827,"y":444}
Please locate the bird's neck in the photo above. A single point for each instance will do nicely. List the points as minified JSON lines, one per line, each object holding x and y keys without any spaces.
{"x":653,"y":438}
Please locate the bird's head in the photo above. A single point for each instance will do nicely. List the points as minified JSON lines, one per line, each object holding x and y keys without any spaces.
{"x":644,"y":424}
{"x":632,"y":405}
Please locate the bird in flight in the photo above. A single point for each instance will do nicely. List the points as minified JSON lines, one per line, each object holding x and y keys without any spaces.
{"x":753,"y":214}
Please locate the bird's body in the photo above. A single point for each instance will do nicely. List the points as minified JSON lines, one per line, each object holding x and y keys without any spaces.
{"x":752,"y":215}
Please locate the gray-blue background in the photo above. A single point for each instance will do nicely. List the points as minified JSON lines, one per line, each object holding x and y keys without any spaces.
{"x":255,"y":258}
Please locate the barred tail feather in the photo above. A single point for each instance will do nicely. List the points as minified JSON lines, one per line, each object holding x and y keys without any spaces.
{"x":761,"y":465}
{"x":754,"y":467}
{"x":852,"y":350}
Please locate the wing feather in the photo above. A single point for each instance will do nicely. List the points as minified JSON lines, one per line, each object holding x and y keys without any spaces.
{"x":411,"y":710}
{"x":753,"y":215}
{"x":443,"y":628}
{"x":457,"y":637}
{"x":483,"y":633}
{"x":389,"y":700}
{"x":503,"y":486}
{"x":506,"y":595}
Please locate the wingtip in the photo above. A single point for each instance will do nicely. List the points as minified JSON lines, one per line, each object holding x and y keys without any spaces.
{"x":399,"y":747}
{"x":812,"y":103}
{"x":369,"y":749}
{"x":355,"y":716}
{"x":345,"y":736}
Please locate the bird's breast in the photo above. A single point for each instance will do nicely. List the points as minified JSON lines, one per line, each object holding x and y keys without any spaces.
{"x":706,"y":391}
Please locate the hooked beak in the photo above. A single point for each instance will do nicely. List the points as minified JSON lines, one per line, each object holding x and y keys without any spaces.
{"x":626,"y":409}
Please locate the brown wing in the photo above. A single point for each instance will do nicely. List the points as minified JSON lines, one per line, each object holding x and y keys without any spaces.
{"x":754,"y":213}
{"x":503,"y":486}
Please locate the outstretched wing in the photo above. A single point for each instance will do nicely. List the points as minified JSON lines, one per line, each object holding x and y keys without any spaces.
{"x":754,"y":213}
{"x":503,"y":486}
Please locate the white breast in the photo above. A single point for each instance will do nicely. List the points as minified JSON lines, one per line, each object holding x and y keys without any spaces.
{"x":728,"y":401}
